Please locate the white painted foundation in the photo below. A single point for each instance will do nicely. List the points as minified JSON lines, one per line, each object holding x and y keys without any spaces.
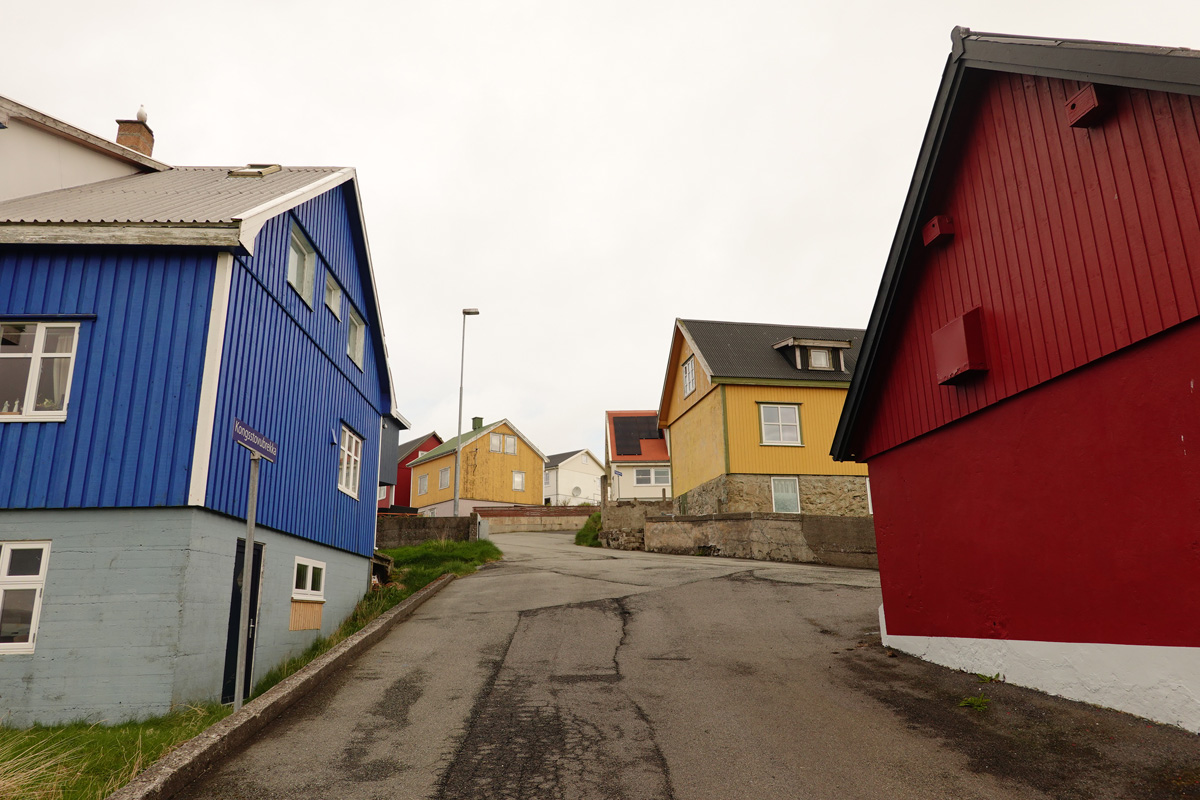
{"x":1158,"y":683}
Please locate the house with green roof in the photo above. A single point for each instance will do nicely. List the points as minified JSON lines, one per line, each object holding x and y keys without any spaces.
{"x":498,"y":466}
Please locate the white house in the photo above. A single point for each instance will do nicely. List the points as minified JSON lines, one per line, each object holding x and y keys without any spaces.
{"x":571,"y":479}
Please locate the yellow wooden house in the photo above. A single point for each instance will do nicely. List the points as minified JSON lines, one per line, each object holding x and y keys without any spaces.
{"x":499,"y":467}
{"x":749,"y":411}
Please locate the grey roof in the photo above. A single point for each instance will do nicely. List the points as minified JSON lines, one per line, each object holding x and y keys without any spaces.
{"x":405,"y":449}
{"x":182,"y":195}
{"x":745,"y":349}
{"x":555,"y":460}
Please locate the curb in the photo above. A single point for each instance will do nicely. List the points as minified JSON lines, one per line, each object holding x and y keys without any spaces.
{"x":178,"y":768}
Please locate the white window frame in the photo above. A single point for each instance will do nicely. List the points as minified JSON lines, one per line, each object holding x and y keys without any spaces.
{"x":19,"y":582}
{"x":656,"y":472}
{"x":546,"y":478}
{"x":812,"y":362}
{"x":775,"y":502}
{"x":643,"y":472}
{"x":689,"y":376}
{"x":585,"y":460}
{"x":308,"y":593}
{"x":382,"y":493}
{"x":349,"y":462}
{"x":495,"y":443}
{"x":332,"y":287}
{"x":422,"y":484}
{"x":302,"y":265}
{"x":510,"y":445}
{"x":356,"y":338}
{"x":762,"y":425}
{"x":444,"y":478}
{"x":518,"y":477}
{"x":37,"y":359}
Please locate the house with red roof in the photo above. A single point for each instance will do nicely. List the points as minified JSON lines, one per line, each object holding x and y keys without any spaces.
{"x":635,"y":456}
{"x":1026,"y":395}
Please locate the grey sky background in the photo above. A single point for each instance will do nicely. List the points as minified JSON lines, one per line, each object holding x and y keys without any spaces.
{"x":582,"y":172}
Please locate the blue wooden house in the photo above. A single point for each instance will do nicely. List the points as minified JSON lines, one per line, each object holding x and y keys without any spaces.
{"x":144,"y":308}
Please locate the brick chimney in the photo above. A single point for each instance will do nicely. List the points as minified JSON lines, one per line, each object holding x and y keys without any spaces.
{"x":136,"y":134}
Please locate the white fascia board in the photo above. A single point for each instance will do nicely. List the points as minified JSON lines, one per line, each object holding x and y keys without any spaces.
{"x":252,"y":219}
{"x":210,"y":379}
{"x":91,"y":141}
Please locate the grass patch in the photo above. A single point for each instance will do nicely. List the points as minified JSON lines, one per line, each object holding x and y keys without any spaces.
{"x":589,"y":534}
{"x":84,"y":761}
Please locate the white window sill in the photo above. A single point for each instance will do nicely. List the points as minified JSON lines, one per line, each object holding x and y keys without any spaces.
{"x":348,"y":494}
{"x":10,"y":417}
{"x":307,"y":599}
{"x":15,"y":649}
{"x":782,"y":444}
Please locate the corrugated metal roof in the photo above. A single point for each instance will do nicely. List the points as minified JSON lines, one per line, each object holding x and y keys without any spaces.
{"x":182,"y":195}
{"x":745,"y":349}
{"x":558,"y":458}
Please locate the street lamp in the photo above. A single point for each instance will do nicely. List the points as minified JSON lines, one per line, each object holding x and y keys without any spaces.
{"x":467,"y":312}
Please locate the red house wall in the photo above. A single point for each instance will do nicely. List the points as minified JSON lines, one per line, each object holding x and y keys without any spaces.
{"x":401,"y":494}
{"x":1070,"y":513}
{"x":1075,"y":242}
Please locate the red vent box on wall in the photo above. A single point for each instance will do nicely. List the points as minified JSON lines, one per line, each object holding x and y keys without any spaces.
{"x":958,"y":348}
{"x":938,"y":229}
{"x":1083,"y":108}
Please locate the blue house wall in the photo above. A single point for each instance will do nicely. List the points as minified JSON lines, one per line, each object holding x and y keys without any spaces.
{"x":130,"y":427}
{"x":285,"y":371}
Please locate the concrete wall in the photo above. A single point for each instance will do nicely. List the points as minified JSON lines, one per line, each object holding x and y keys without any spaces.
{"x":465,"y":506}
{"x":829,"y":495}
{"x":136,"y":607}
{"x":541,"y":518}
{"x":395,"y":530}
{"x":837,"y":541}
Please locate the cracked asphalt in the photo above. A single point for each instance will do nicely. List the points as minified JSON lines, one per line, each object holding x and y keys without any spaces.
{"x":565,"y":672}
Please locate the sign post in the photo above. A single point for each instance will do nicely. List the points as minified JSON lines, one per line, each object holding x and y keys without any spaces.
{"x":260,"y":447}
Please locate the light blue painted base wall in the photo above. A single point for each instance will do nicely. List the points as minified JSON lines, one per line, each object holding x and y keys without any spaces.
{"x":136,"y":607}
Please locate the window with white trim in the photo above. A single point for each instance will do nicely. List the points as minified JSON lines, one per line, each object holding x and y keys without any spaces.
{"x":302,"y":265}
{"x":662,"y":476}
{"x":37,"y":360}
{"x":518,"y":481}
{"x":444,"y":478}
{"x":659,"y":476}
{"x":510,"y":445}
{"x":585,"y":460}
{"x":785,"y":495}
{"x":309,"y":583}
{"x":22,"y":578}
{"x":546,"y":478}
{"x":689,"y":376}
{"x":383,"y":491}
{"x":820,"y":358}
{"x":780,"y":424}
{"x":333,"y":295}
{"x":356,"y":338}
{"x":422,"y":484}
{"x":350,"y":462}
{"x":495,"y":443}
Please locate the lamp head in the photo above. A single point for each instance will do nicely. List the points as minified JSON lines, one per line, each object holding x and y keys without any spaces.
{"x":470,"y":312}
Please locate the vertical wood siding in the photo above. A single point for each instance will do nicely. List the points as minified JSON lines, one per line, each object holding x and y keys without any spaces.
{"x":1076,"y":242}
{"x":286,"y":373}
{"x":488,"y":476}
{"x":819,"y":413}
{"x":677,"y":404}
{"x":128,"y":437}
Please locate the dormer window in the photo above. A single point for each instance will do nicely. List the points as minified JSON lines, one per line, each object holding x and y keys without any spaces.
{"x":820,"y":358}
{"x":815,"y":354}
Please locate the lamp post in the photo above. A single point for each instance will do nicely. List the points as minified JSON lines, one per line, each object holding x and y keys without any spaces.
{"x":467,"y":312}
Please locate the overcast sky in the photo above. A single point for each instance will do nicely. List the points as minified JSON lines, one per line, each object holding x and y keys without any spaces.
{"x":582,"y":172}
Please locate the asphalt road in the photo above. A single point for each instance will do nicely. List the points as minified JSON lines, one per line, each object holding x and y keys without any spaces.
{"x":574,"y":673}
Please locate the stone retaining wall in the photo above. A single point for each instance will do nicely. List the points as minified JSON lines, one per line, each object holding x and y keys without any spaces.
{"x":623,"y":522}
{"x":399,"y":530}
{"x":805,"y":538}
{"x":829,"y":495}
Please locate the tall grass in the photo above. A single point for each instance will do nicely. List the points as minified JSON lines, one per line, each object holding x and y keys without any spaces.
{"x":589,"y":534}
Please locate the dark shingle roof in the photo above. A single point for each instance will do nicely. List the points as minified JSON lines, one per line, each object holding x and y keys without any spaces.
{"x":745,"y":349}
{"x":183,"y":195}
{"x":407,"y":448}
{"x":555,"y":460}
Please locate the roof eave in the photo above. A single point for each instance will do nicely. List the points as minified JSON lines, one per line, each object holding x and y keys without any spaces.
{"x":49,"y":124}
{"x":226,"y":235}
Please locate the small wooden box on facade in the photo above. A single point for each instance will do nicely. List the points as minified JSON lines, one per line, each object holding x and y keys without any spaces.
{"x":958,"y":348}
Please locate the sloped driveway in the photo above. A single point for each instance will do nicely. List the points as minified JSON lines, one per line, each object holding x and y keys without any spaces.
{"x":565,"y":672}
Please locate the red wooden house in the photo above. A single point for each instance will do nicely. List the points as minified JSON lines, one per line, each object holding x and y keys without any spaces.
{"x":399,"y":495}
{"x":1027,"y":395}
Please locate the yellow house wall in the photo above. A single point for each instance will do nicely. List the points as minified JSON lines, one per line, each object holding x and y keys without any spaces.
{"x":677,"y":404}
{"x":485,"y":475}
{"x":819,"y":412}
{"x":431,"y":469}
{"x":697,"y":443}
